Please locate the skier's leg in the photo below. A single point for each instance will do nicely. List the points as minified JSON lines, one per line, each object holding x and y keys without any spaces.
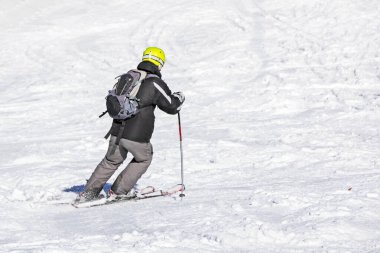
{"x":143,"y":153}
{"x":105,"y":169}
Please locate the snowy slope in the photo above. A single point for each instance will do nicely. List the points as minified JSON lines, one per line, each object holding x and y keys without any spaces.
{"x":281,"y":135}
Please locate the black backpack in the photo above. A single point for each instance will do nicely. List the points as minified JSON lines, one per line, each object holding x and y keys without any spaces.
{"x":121,"y":101}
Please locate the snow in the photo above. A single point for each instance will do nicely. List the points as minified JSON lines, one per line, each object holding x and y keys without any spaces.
{"x":280,"y":125}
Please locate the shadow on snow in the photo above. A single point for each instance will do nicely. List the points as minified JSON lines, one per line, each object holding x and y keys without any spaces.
{"x":80,"y":188}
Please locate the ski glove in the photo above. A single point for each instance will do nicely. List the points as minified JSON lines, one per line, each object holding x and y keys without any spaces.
{"x":180,"y":96}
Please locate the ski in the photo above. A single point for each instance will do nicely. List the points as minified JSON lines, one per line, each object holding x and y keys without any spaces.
{"x":146,"y":193}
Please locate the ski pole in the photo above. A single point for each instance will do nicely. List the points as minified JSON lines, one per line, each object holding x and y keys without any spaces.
{"x":180,"y":145}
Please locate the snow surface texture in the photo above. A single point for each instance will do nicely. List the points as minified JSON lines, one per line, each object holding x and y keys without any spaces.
{"x":280,"y":125}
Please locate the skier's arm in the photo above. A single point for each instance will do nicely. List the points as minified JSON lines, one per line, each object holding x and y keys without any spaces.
{"x":165,"y":100}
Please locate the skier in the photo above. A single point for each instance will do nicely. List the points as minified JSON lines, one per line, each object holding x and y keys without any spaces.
{"x":136,"y":133}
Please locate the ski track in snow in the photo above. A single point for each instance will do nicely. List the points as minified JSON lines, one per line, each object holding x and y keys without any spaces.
{"x":280,"y":124}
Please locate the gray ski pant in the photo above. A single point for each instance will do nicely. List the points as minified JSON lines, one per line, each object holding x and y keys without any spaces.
{"x":142,"y":157}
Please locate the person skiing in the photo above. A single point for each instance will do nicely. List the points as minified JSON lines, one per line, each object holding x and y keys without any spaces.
{"x":133,"y":136}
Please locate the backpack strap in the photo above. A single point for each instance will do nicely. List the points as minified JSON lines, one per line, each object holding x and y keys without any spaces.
{"x":108,"y":134}
{"x":143,"y":75}
{"x":121,"y":131}
{"x":119,"y":135}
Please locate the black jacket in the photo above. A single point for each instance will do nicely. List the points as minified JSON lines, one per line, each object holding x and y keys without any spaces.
{"x":153,"y":92}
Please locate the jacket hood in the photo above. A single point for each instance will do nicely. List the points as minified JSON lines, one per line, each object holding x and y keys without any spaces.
{"x":149,"y":67}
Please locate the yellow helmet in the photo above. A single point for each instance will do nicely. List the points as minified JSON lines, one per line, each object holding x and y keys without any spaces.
{"x":154,"y":55}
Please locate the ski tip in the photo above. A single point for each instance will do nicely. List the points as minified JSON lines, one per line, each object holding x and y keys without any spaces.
{"x":182,"y":190}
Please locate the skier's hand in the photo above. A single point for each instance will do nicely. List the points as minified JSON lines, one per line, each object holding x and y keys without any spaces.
{"x":180,"y":96}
